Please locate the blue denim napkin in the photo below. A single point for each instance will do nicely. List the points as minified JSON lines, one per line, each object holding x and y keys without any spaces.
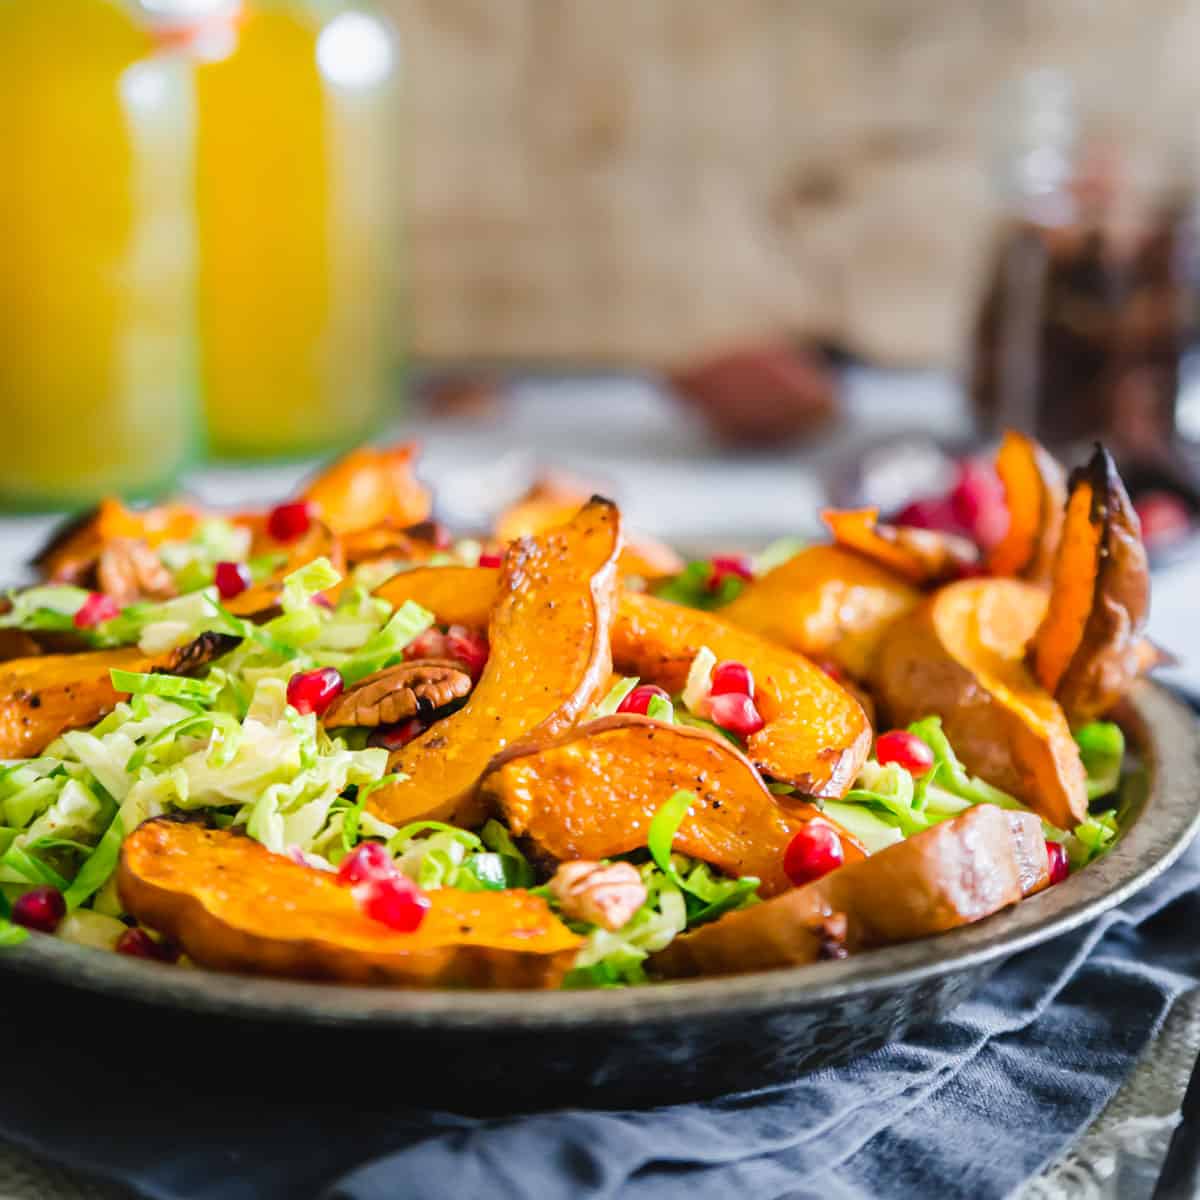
{"x":969,"y":1107}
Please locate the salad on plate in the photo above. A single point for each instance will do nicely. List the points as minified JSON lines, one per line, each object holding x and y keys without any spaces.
{"x":333,"y":741}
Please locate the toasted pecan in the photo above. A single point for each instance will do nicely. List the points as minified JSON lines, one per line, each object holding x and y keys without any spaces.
{"x":604,"y":894}
{"x":396,"y":693}
{"x":128,"y":571}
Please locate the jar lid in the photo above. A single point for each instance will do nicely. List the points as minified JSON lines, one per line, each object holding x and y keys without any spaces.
{"x":180,"y":15}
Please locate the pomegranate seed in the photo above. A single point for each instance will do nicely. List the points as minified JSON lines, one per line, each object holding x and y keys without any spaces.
{"x":1164,"y":517}
{"x":732,"y":677}
{"x":489,"y":559}
{"x":430,"y":644}
{"x":736,"y":713}
{"x":936,"y":514}
{"x":1060,"y":865}
{"x":814,"y":851}
{"x":394,"y":901}
{"x":977,"y":500}
{"x":287,"y":522}
{"x":322,"y":601}
{"x":726,"y":566}
{"x":137,"y":943}
{"x":41,"y":909}
{"x":96,"y":609}
{"x":366,"y":862}
{"x":638,"y":701}
{"x":314,"y":691}
{"x":469,"y":647}
{"x":831,"y":669}
{"x":394,"y":737}
{"x":906,"y":750}
{"x":232,"y":579}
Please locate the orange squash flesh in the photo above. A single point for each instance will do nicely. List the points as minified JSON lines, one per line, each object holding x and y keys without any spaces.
{"x":43,"y":697}
{"x":370,"y":486}
{"x":550,"y":661}
{"x":826,"y":603}
{"x":592,"y":792}
{"x":953,"y":874}
{"x":816,"y":735}
{"x":234,"y":906}
{"x":1073,"y":588}
{"x":961,"y":656}
{"x":1089,"y":648}
{"x":1034,"y":494}
{"x":921,"y":556}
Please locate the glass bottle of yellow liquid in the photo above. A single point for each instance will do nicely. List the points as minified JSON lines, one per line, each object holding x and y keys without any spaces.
{"x":97,"y":351}
{"x":299,"y":213}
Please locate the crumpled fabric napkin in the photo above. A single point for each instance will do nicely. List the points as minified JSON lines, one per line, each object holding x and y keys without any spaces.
{"x":968,"y":1107}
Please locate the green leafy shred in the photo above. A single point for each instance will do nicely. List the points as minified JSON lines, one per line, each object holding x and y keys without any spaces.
{"x":692,"y":587}
{"x":1102,"y":748}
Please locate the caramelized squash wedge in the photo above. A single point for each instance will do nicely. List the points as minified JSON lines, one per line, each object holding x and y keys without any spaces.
{"x":1035,"y":493}
{"x":43,"y":697}
{"x":550,"y":661}
{"x":592,"y":792}
{"x":954,"y":874}
{"x":1087,"y":650}
{"x":816,"y":735}
{"x":961,"y":655}
{"x":826,"y":603}
{"x":553,"y":500}
{"x":370,"y":486}
{"x":234,"y":906}
{"x":924,"y":557}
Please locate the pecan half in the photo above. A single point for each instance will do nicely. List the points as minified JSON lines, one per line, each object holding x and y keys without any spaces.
{"x":409,"y":689}
{"x":129,"y":571}
{"x":604,"y":894}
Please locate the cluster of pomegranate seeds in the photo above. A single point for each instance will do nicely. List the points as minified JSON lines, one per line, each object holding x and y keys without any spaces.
{"x":905,"y":750}
{"x":394,"y":737}
{"x":365,"y":862}
{"x":973,"y":508}
{"x":382,"y":892}
{"x":137,"y":943}
{"x":726,"y":566}
{"x":638,"y":701}
{"x":41,"y":909}
{"x":814,"y":851}
{"x":1060,"y":865}
{"x":491,"y":558}
{"x":95,"y":610}
{"x":1165,"y":518}
{"x":314,"y":691}
{"x":287,"y":522}
{"x":232,"y":579}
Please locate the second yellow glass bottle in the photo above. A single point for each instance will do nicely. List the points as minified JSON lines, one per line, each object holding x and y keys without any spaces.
{"x":298,"y":216}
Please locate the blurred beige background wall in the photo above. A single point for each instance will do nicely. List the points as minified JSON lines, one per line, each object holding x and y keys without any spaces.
{"x":616,"y":180}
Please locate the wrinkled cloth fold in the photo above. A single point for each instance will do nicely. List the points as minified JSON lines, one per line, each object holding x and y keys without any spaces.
{"x":969,"y":1107}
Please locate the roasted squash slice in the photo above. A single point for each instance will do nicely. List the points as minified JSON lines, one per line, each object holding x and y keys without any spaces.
{"x":370,"y":486}
{"x":234,"y":906}
{"x":552,"y":501}
{"x":1087,"y":651}
{"x":71,"y":553}
{"x":592,"y":792}
{"x":817,"y":735}
{"x":43,"y":697}
{"x":1035,"y":493}
{"x":954,"y":874}
{"x":961,"y":655}
{"x":826,"y":603}
{"x":924,"y":557}
{"x":550,"y":661}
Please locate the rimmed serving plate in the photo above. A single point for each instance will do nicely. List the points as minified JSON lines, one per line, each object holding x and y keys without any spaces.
{"x":503,"y":1050}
